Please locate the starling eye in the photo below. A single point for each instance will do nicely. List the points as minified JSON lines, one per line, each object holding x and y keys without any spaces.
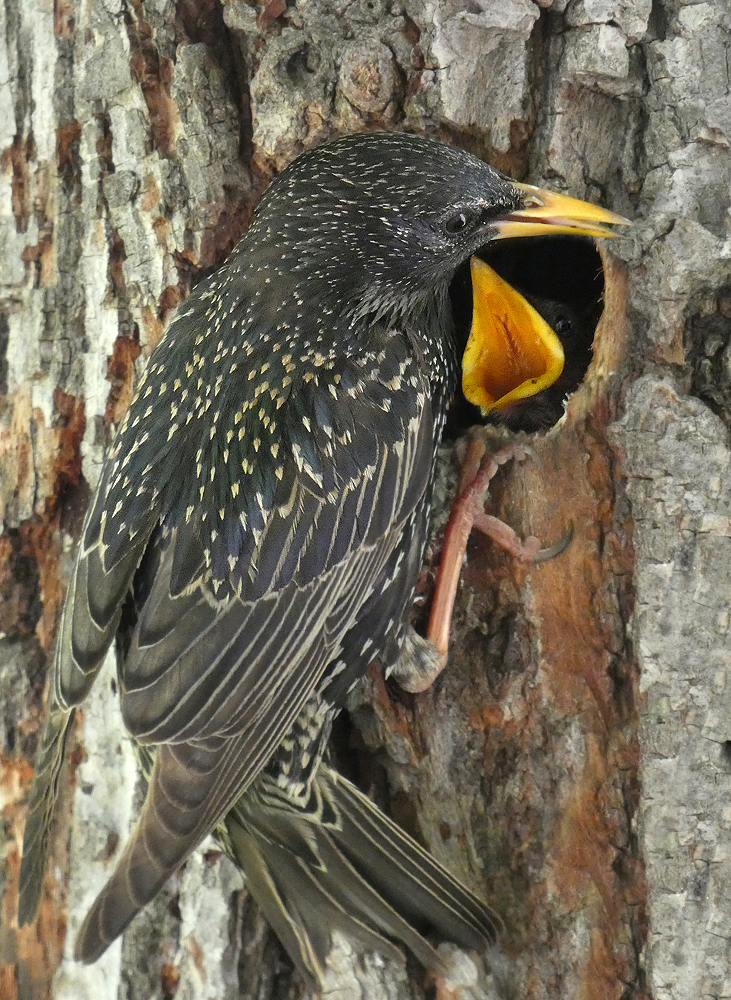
{"x":457,"y":223}
{"x":562,"y":325}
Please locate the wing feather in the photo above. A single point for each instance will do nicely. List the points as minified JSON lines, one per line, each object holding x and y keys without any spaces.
{"x":243,"y":600}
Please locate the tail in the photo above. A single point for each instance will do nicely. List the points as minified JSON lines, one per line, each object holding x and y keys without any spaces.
{"x":335,"y":864}
{"x":345,"y":866}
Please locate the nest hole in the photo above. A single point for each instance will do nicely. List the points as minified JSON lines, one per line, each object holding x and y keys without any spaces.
{"x":563,"y":279}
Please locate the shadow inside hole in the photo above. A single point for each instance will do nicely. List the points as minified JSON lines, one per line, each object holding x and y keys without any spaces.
{"x":708,"y":349}
{"x":726,"y":755}
{"x":563,"y":279}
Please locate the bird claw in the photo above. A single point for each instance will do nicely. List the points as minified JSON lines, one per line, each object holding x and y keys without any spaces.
{"x":528,"y":550}
{"x":480,"y":458}
{"x":516,"y":453}
{"x":543,"y":555}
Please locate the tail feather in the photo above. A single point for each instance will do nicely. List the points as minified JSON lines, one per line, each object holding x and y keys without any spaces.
{"x":415,"y":881}
{"x":336,"y":864}
{"x":360,"y":875}
{"x":305,"y":905}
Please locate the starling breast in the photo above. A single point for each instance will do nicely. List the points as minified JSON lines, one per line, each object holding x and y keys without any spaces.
{"x":256,"y":535}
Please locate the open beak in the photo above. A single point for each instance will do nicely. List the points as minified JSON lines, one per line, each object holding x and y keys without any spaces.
{"x":512,"y":353}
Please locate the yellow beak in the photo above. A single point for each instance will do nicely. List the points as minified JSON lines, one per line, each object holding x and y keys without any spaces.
{"x":512,"y":353}
{"x":547,"y":213}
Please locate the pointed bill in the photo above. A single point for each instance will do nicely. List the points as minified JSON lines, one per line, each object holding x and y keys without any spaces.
{"x":546,"y":214}
{"x":512,"y":353}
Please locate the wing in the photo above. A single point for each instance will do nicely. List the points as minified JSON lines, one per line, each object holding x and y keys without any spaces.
{"x":273,"y":512}
{"x":282,"y":548}
{"x":89,"y":621}
{"x":237,"y":627}
{"x":220,"y":686}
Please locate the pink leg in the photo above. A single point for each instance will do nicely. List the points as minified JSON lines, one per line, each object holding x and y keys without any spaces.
{"x":467,"y":513}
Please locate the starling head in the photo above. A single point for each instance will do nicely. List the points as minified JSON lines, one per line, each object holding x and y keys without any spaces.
{"x":386,"y":215}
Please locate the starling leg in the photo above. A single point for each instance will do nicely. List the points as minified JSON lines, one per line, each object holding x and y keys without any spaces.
{"x":467,"y":513}
{"x":420,"y":660}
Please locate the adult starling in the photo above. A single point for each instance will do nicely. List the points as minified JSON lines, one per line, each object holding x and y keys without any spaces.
{"x":257,"y":532}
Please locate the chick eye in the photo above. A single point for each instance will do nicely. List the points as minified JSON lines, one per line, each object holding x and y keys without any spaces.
{"x":457,"y":223}
{"x":562,"y":325}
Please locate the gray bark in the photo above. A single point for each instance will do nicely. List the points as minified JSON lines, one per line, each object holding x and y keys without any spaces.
{"x":573,"y":764}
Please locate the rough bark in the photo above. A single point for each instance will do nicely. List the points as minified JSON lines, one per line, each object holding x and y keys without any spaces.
{"x":573,"y":763}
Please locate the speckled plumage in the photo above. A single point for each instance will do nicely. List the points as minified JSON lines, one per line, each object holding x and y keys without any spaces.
{"x":267,"y":500}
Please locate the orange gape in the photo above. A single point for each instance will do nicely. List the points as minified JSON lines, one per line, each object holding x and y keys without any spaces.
{"x":512,"y":353}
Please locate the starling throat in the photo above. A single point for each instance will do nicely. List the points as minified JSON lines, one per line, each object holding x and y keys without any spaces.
{"x":257,"y":532}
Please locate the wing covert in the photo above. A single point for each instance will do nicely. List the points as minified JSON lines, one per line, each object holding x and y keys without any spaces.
{"x":198,"y":666}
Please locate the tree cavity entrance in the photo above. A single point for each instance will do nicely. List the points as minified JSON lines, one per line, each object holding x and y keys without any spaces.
{"x":563,"y":279}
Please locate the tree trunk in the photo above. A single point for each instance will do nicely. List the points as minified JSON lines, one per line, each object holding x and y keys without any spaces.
{"x":573,"y":763}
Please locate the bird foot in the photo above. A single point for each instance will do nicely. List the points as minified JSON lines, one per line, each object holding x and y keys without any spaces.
{"x":419,"y":663}
{"x":477,"y":471}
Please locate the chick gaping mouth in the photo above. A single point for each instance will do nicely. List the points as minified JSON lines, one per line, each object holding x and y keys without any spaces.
{"x":512,"y":353}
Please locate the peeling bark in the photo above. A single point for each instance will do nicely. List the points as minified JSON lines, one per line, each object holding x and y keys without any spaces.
{"x":573,"y":762}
